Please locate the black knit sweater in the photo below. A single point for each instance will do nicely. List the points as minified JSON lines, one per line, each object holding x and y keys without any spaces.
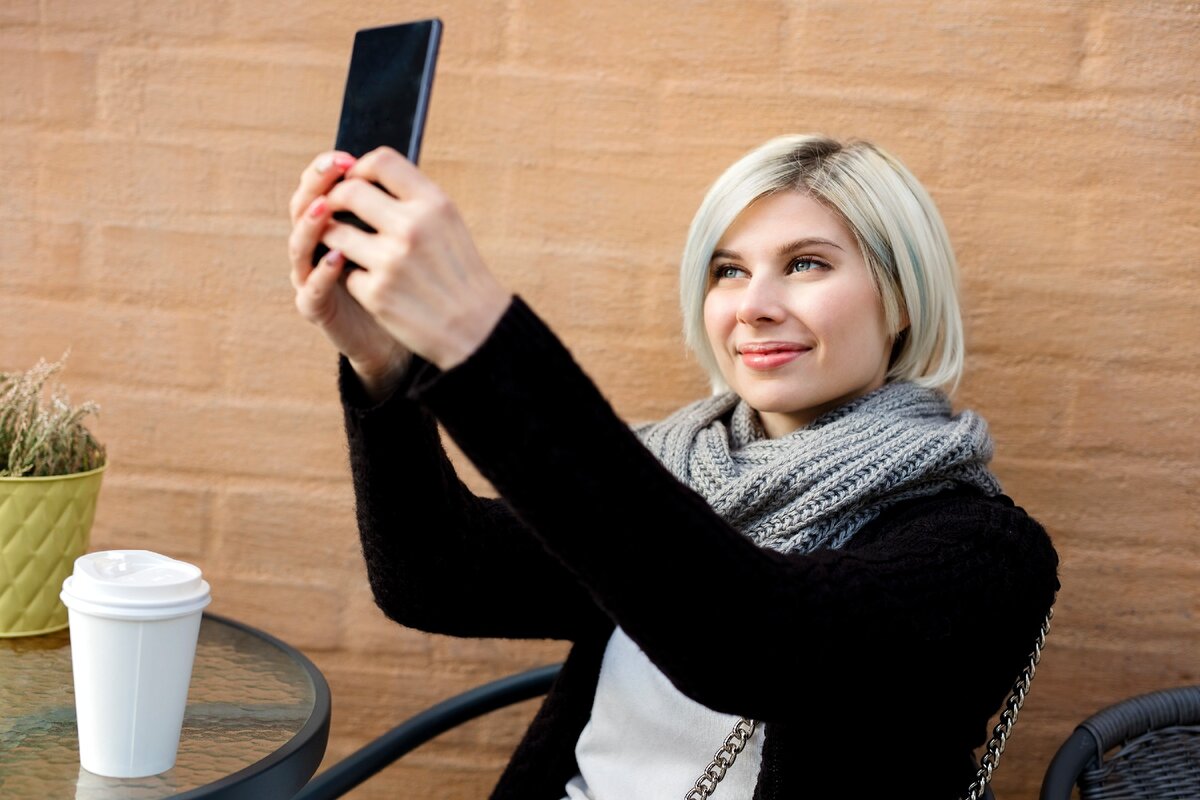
{"x":874,"y":666}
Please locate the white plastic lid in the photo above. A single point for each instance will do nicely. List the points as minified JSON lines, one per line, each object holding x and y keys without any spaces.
{"x":134,"y":584}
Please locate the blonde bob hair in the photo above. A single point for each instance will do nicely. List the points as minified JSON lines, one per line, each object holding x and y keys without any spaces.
{"x":898,"y":229}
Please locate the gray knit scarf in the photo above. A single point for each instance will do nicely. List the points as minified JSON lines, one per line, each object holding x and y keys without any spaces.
{"x":819,"y":485}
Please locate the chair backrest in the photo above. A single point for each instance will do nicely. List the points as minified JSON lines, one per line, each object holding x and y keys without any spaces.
{"x":1154,"y":741}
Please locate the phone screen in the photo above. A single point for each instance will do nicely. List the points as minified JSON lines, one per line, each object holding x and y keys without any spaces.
{"x":387,"y":96}
{"x":387,"y":90}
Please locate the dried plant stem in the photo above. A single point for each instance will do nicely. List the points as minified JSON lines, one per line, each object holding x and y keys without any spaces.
{"x":39,"y":439}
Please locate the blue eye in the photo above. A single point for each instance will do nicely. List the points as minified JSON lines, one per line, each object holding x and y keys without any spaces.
{"x":806,"y":264}
{"x":725,"y":271}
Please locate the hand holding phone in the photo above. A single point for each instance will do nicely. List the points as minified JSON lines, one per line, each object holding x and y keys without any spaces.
{"x":379,"y":317}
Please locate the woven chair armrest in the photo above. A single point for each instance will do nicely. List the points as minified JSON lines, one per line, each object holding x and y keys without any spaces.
{"x":1071,"y":759}
{"x":1162,"y":709}
{"x":1113,"y":726}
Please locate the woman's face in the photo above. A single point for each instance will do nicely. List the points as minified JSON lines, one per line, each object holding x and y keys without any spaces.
{"x":792,"y":313}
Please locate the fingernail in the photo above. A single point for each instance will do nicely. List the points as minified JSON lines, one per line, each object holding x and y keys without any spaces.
{"x":334,"y":258}
{"x":317,"y":208}
{"x":324,"y":163}
{"x":343,"y":161}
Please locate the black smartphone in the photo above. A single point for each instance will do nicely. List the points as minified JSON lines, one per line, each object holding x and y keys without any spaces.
{"x":387,"y":96}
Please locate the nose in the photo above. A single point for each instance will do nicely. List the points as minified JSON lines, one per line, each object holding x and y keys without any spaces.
{"x":760,"y":301}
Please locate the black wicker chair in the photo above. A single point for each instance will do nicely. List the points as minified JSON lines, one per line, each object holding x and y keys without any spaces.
{"x":362,"y":764}
{"x":1154,"y":741}
{"x":367,"y":761}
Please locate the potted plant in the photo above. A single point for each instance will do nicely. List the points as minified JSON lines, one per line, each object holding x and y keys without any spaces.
{"x":50,"y":470}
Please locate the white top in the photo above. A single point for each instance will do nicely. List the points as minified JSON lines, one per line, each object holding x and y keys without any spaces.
{"x":646,"y":740}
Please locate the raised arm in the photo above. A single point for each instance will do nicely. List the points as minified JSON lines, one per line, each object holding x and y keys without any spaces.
{"x":696,"y":595}
{"x":438,"y":557}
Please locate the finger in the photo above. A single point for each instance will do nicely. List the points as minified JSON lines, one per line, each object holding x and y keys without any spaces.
{"x":395,"y":173}
{"x":393,"y":311}
{"x":322,"y":173}
{"x":371,"y":204}
{"x":368,"y":250}
{"x":334,"y":159}
{"x":313,"y":298}
{"x":358,"y":283}
{"x":304,"y":237}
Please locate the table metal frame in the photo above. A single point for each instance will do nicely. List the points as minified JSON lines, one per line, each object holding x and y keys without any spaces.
{"x":284,"y":772}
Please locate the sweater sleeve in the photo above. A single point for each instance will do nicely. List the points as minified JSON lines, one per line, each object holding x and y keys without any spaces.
{"x":438,"y":557}
{"x":691,"y":591}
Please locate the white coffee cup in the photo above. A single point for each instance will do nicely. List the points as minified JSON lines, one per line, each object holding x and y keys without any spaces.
{"x":134,"y":618}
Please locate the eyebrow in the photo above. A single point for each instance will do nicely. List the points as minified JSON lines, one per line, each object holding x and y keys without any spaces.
{"x":786,"y":250}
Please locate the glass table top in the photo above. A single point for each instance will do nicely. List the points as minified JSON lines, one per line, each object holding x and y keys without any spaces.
{"x":249,"y":697}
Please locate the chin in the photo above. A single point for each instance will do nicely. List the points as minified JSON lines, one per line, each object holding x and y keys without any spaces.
{"x":777,"y":404}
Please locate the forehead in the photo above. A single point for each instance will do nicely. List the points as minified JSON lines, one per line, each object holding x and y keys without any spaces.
{"x":784,"y":216}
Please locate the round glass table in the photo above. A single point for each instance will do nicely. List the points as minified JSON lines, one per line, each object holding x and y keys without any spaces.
{"x":256,"y":724}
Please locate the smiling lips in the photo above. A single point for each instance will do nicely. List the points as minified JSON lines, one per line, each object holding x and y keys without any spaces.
{"x":769,"y":355}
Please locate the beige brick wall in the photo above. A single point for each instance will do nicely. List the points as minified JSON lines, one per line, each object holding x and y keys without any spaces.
{"x":148,"y":149}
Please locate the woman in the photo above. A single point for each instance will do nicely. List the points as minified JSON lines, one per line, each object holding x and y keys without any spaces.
{"x":818,"y":549}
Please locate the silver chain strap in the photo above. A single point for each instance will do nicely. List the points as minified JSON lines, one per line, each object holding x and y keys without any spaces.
{"x":735,"y":742}
{"x":1008,"y":717}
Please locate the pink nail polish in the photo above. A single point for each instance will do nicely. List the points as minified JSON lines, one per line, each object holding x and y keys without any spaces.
{"x":334,"y":258}
{"x":318,"y":207}
{"x":344,"y":162}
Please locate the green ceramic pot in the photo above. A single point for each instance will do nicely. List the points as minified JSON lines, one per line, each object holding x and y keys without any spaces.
{"x":44,"y":527}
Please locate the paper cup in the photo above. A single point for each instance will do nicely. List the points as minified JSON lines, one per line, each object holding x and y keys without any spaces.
{"x":134,"y":618}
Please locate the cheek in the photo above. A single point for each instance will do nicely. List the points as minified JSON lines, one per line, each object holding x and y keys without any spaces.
{"x":854,"y":316}
{"x":716,"y":324}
